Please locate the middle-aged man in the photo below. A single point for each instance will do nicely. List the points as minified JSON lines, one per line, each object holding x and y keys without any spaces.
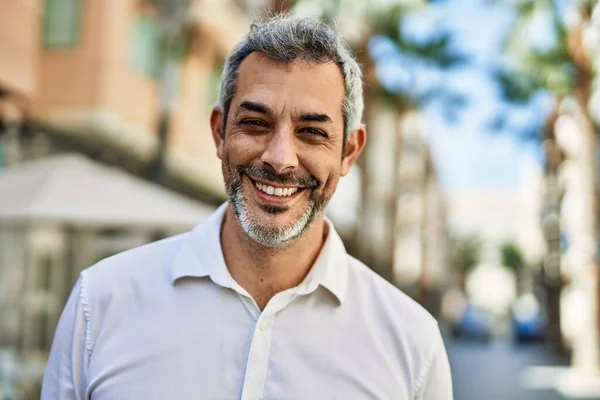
{"x":261,"y":301}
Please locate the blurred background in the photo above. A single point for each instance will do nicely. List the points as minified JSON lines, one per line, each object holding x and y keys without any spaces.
{"x":477,"y":193}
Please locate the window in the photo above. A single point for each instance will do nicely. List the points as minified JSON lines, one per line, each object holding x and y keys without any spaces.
{"x":61,"y":23}
{"x":146,"y":44}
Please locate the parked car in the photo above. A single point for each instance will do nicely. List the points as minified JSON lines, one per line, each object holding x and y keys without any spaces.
{"x":474,"y":324}
{"x":528,"y":320}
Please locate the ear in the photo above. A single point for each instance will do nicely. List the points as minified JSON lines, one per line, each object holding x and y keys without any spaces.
{"x":354,"y":146}
{"x":216,"y":126}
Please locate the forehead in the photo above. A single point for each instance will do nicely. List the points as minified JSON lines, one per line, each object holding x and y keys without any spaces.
{"x":302,"y":85}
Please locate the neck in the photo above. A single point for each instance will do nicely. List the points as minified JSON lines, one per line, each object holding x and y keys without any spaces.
{"x":266,"y":271}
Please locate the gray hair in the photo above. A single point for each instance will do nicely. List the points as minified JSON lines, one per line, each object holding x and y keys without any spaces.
{"x":287,"y":38}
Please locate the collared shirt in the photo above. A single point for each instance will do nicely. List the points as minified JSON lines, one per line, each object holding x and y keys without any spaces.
{"x":167,"y":321}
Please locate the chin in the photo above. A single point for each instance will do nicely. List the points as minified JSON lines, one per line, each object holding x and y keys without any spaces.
{"x":270,"y":224}
{"x":273,"y":210}
{"x":274,"y":229}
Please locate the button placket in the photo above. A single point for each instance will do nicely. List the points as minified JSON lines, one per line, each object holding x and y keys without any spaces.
{"x":258,"y":359}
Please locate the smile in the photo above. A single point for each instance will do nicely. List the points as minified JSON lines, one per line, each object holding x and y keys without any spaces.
{"x":275,"y":191}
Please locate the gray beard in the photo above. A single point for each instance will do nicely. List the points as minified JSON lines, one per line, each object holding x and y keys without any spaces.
{"x":271,"y":236}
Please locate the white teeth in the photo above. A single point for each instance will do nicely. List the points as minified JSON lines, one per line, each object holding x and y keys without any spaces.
{"x":280,"y":192}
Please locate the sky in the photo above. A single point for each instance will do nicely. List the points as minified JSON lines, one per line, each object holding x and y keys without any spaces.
{"x":468,"y":155}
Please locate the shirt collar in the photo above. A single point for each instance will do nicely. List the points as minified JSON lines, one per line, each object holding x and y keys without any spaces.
{"x":330,"y":269}
{"x":201,"y":255}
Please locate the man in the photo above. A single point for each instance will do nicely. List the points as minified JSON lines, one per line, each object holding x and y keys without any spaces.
{"x":261,"y":301}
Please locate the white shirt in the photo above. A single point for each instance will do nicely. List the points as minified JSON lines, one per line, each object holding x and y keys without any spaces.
{"x":167,"y":321}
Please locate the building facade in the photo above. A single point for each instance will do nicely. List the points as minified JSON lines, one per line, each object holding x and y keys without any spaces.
{"x":83,"y":76}
{"x":89,"y":76}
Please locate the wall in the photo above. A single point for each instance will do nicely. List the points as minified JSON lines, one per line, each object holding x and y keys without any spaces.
{"x":19,"y":38}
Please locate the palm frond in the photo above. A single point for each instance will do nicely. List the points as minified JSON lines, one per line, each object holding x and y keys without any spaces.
{"x":516,"y":87}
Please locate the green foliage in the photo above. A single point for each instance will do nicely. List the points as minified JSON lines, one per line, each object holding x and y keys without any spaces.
{"x":374,"y":13}
{"x":511,"y":257}
{"x":384,"y":18}
{"x":436,"y":51}
{"x":515,"y":87}
{"x":466,"y":253}
{"x":531,"y":68}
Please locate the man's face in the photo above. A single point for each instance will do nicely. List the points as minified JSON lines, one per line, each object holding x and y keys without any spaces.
{"x":282,"y":149}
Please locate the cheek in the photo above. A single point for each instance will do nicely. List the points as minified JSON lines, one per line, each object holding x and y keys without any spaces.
{"x":241,"y":149}
{"x":325,"y":168}
{"x":331,"y":184}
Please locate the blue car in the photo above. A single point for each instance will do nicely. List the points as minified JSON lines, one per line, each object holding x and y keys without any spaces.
{"x":528,"y":322}
{"x":473,"y":324}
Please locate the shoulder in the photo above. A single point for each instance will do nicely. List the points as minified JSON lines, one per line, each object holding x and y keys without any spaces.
{"x":402,"y":315}
{"x":406,"y":331}
{"x":143,"y":268}
{"x":137,"y":261}
{"x":122,"y":285}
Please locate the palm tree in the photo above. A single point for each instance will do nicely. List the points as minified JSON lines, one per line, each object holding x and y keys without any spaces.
{"x":368,"y":19}
{"x":466,"y":256}
{"x":564,"y":70}
{"x":552,"y":232}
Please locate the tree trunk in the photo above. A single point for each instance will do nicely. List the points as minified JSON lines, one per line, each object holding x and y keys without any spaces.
{"x":423,"y":290}
{"x":586,"y":348}
{"x":361,"y":242}
{"x":552,"y":280}
{"x":394,"y":225}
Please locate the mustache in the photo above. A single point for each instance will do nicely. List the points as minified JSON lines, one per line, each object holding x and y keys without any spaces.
{"x":286,"y":179}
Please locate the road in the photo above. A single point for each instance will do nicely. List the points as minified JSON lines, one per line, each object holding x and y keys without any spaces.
{"x":495,"y":370}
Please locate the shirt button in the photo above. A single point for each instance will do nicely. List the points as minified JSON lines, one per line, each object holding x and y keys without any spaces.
{"x":263,"y":326}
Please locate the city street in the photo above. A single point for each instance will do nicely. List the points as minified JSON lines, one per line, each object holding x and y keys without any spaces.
{"x":496,"y":370}
{"x":474,"y":189}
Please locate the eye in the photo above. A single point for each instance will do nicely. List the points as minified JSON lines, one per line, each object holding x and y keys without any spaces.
{"x":313,"y":131}
{"x":254,"y":122}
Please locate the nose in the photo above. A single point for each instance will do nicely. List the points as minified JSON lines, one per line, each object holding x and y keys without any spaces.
{"x":280,"y":153}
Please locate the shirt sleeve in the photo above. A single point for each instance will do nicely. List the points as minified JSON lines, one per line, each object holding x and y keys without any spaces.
{"x":436,"y":383}
{"x":65,"y":375}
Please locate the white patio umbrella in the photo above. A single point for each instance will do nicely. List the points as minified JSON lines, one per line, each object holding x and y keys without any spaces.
{"x":72,"y":189}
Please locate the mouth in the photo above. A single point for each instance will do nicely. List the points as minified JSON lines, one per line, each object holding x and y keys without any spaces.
{"x":276,"y":194}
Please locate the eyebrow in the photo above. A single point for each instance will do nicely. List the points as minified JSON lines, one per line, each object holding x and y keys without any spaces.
{"x":315,"y":117}
{"x":255,"y":107}
{"x":263,"y":109}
